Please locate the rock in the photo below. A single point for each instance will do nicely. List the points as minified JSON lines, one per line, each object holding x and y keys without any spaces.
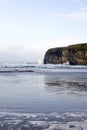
{"x":73,"y":54}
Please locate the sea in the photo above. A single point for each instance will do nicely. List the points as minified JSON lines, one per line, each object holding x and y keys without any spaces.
{"x":43,"y":96}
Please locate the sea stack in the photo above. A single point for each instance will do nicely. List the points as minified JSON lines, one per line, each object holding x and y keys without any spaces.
{"x":74,"y":55}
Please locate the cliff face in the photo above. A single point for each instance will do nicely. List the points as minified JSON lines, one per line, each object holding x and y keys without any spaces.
{"x":74,"y":55}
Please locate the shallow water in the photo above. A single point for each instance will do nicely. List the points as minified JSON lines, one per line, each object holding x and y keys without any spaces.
{"x":43,"y":92}
{"x":44,"y":99}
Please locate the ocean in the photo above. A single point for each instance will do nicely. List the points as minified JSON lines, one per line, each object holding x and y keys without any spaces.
{"x":42,"y":96}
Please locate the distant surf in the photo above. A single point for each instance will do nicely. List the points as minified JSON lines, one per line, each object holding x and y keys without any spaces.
{"x":34,"y":67}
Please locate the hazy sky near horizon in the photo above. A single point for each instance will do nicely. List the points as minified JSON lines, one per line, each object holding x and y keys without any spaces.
{"x":29,"y":27}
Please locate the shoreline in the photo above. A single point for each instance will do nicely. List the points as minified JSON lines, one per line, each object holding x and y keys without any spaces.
{"x":43,"y":121}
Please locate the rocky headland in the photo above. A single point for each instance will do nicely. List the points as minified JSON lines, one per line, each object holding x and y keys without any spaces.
{"x":74,"y":55}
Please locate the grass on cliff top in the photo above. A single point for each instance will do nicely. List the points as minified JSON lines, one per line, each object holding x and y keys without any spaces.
{"x":55,"y":49}
{"x":81,"y":46}
{"x":78,"y":46}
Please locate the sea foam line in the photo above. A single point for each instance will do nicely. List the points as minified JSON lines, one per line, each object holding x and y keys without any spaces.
{"x":39,"y":121}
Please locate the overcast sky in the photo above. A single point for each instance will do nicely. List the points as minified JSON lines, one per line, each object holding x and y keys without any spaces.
{"x":29,"y":27}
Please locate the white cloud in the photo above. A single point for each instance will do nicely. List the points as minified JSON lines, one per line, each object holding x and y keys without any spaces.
{"x":79,"y":15}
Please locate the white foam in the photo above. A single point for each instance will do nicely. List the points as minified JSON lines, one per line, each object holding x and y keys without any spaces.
{"x":69,"y":126}
{"x":51,"y":121}
{"x":24,"y":66}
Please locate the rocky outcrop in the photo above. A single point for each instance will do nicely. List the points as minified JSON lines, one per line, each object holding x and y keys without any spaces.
{"x":73,"y":54}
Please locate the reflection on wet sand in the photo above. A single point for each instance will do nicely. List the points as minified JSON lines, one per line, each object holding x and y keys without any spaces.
{"x":56,"y":84}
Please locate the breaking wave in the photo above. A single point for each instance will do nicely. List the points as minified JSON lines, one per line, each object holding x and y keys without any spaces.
{"x":33,"y":67}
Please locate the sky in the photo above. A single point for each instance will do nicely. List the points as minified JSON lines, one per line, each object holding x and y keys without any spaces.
{"x":28,"y":28}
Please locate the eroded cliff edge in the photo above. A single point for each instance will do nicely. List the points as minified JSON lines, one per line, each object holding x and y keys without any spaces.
{"x":73,"y":54}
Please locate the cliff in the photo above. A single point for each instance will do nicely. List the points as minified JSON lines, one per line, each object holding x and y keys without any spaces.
{"x":73,"y":54}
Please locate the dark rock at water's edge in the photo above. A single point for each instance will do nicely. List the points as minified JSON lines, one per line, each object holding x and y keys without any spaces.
{"x":73,"y":54}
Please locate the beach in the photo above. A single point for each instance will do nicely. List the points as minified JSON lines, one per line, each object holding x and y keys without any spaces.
{"x":42,"y":97}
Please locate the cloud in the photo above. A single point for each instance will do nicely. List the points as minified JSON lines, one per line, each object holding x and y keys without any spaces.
{"x":79,"y":15}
